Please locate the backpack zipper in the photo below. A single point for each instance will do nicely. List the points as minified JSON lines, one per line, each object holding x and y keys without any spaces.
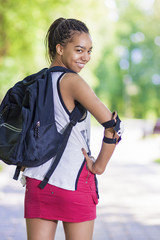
{"x":6,"y":125}
{"x":36,"y":130}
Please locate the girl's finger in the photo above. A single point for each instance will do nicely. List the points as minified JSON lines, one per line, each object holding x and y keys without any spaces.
{"x":84,"y":153}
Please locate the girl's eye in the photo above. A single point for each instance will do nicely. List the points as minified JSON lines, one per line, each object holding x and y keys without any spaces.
{"x":90,"y":51}
{"x":79,"y":50}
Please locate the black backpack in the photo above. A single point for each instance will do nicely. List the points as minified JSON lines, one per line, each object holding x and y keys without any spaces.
{"x":28,"y":133}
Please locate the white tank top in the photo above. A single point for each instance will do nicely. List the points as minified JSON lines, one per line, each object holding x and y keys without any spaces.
{"x":66,"y":173}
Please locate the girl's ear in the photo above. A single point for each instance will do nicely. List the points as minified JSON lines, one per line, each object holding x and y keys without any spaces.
{"x":59,"y":49}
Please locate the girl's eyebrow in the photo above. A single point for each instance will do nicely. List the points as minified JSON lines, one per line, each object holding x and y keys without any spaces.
{"x":78,"y":46}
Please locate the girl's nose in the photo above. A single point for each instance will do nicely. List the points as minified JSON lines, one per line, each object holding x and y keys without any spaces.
{"x":86,"y":56}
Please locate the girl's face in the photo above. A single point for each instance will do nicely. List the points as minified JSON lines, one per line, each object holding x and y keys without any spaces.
{"x":77,"y":53}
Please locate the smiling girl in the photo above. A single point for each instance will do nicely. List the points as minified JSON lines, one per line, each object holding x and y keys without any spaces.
{"x":71,"y":194}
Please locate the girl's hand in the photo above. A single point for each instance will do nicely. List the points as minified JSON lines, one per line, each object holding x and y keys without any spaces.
{"x":89,"y":160}
{"x":22,"y":169}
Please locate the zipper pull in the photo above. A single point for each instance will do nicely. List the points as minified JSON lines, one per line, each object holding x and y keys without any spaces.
{"x":38,"y":124}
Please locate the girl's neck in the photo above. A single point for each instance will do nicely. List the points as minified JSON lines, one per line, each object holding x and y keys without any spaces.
{"x":57,"y":62}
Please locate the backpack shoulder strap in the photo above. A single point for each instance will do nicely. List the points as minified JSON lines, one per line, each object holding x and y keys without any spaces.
{"x":60,"y":69}
{"x":75,"y":116}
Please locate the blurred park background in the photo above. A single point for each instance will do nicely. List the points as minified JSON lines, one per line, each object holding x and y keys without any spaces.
{"x":125,"y":67}
{"x":125,"y":74}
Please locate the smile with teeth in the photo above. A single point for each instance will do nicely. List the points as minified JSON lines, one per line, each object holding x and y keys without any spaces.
{"x":81,"y":65}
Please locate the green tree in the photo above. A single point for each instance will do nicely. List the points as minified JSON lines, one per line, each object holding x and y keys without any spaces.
{"x":129,"y":71}
{"x":22,"y":33}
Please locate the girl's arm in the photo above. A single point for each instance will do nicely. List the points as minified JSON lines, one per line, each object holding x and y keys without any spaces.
{"x":77,"y":89}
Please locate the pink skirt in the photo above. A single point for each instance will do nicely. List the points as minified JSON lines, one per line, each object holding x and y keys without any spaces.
{"x":54,"y":203}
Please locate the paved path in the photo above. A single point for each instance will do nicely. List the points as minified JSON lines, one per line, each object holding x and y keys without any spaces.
{"x":129,"y":205}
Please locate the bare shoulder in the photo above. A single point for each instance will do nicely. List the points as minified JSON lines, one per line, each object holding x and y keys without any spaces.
{"x":73,"y":78}
{"x":78,"y":89}
{"x":75,"y":85}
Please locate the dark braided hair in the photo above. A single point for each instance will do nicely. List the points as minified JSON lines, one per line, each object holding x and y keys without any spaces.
{"x":61,"y":32}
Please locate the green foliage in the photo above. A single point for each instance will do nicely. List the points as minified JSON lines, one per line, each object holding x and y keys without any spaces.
{"x":22,"y":33}
{"x":129,"y":71}
{"x":157,"y":160}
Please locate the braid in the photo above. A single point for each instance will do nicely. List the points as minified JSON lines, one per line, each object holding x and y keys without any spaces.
{"x":61,"y":32}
